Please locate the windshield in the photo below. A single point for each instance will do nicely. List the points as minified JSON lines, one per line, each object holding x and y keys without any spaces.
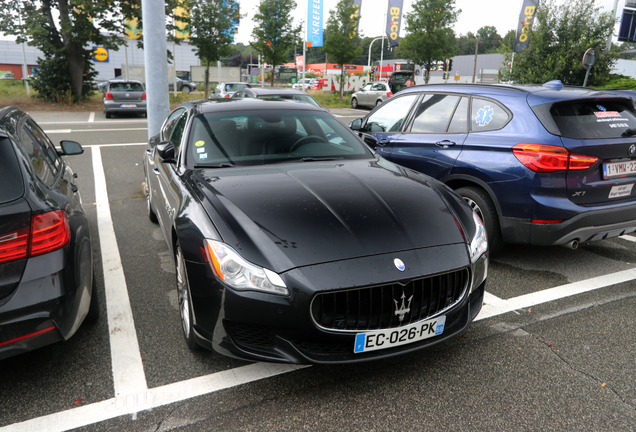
{"x":303,"y":98}
{"x":266,"y":137}
{"x":126,"y":86}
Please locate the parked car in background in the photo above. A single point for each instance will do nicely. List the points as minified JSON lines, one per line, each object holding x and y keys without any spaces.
{"x":124,"y":97}
{"x":183,"y":86}
{"x":321,"y":84}
{"x":541,"y":165}
{"x":400,"y":80}
{"x":275,"y":94}
{"x":226,"y":89}
{"x":46,"y":267}
{"x":303,"y":84}
{"x":295,"y":243}
{"x":371,"y":95}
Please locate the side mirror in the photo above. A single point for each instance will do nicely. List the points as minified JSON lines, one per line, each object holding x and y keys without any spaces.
{"x":70,"y":148}
{"x":356,"y":124}
{"x":165,"y":150}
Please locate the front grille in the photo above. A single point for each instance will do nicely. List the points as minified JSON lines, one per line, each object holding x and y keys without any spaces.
{"x":380,"y":307}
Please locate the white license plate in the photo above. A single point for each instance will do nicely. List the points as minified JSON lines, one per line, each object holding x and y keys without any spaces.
{"x":129,"y":105}
{"x":382,"y":339}
{"x":619,"y":169}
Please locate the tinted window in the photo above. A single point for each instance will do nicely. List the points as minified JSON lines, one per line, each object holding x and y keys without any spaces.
{"x":50,"y":153}
{"x":593,"y":119}
{"x":391,"y":114}
{"x":265,"y":137}
{"x":434,"y":113}
{"x":171,"y":123}
{"x":35,"y":153}
{"x":487,"y":115}
{"x":10,"y":176}
{"x":127,"y":87}
{"x":460,"y":118}
{"x":177,"y":131}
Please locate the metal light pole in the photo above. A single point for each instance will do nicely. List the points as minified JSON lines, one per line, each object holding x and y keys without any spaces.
{"x":475,"y":64}
{"x":609,"y":38}
{"x":370,"y":45}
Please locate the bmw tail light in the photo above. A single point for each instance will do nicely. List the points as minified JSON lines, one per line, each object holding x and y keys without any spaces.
{"x":15,"y":245}
{"x":143,"y":96}
{"x":227,"y":95}
{"x":108,"y":95}
{"x":50,"y":231}
{"x":47,"y":233}
{"x":548,"y":158}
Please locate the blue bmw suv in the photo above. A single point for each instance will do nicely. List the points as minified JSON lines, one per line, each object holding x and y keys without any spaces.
{"x":541,"y":165}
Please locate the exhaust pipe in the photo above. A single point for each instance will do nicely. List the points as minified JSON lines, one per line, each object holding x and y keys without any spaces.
{"x":573,"y":244}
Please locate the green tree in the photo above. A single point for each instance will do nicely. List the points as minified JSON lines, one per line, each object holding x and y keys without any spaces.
{"x":466,"y":44}
{"x":274,"y":33}
{"x":65,"y":31}
{"x":343,"y":42}
{"x":561,"y":35}
{"x":489,"y":40}
{"x":430,"y":37}
{"x":211,"y":26}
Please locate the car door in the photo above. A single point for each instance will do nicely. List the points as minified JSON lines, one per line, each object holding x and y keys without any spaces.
{"x":164,"y":198}
{"x":377,"y":91}
{"x":434,"y":137}
{"x":384,"y":124}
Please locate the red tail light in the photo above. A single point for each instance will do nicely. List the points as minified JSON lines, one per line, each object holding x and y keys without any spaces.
{"x":548,"y":158}
{"x":227,"y":95}
{"x":143,"y":96}
{"x":389,"y":94}
{"x":15,"y":245}
{"x":108,"y":95}
{"x":48,"y":232}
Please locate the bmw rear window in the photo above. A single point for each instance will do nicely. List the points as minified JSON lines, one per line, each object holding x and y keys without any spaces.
{"x":10,"y":175}
{"x":588,"y":119}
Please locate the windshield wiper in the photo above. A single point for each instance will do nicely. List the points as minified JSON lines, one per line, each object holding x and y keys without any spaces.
{"x":327,"y":158}
{"x":219,"y":165}
{"x":629,"y":132}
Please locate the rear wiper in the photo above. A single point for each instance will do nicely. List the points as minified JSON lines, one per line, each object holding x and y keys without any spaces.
{"x":327,"y":158}
{"x":219,"y":165}
{"x":629,"y":132}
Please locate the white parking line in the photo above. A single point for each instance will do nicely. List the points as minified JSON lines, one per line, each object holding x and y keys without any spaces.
{"x":128,"y":370}
{"x":91,"y":117}
{"x":629,"y":238}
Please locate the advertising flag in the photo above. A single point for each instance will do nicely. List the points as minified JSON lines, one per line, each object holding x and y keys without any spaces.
{"x":132,"y":29}
{"x":181,"y":32}
{"x":358,"y":5}
{"x":314,"y":23}
{"x":526,"y":18}
{"x":394,"y":22}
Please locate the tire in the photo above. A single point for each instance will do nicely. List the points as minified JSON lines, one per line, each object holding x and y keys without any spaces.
{"x":183,"y":296}
{"x":186,"y":89}
{"x":144,"y":115}
{"x":480,"y":202}
{"x":354,"y":103}
{"x":93,"y":309}
{"x":378,"y":102}
{"x":151,"y":213}
{"x":108,"y":115}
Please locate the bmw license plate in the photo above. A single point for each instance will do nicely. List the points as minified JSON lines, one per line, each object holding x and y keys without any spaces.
{"x":619,"y":169}
{"x":382,"y":339}
{"x":129,"y":106}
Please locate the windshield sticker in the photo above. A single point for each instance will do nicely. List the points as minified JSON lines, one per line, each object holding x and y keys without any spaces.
{"x":618,"y":125}
{"x":484,"y":116}
{"x":601,"y":108}
{"x":203,"y":156}
{"x":200,"y":150}
{"x":605,"y":114}
{"x":199,"y":143}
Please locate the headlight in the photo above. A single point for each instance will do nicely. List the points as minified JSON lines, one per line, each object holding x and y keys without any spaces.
{"x":479,"y":242}
{"x":232,"y":269}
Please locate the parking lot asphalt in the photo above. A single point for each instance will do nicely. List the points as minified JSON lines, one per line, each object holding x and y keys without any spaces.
{"x":551,"y":350}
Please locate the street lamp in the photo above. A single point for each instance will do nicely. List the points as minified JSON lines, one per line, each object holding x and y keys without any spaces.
{"x":370,"y":45}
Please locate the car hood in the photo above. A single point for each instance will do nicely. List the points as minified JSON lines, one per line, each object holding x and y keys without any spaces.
{"x":297,"y":214}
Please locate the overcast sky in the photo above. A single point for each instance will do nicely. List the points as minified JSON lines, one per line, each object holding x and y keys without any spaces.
{"x":503,"y":14}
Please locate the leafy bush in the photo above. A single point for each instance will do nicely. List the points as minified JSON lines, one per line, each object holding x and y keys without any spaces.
{"x":617,"y":81}
{"x":53,"y":81}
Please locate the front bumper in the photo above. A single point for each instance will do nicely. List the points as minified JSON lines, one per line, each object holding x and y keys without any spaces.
{"x":262,"y":327}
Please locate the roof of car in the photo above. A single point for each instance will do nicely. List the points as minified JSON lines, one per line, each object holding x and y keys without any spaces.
{"x":223,"y":105}
{"x":276,"y":91}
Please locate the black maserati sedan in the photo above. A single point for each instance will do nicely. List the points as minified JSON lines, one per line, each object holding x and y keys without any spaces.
{"x":294,"y":242}
{"x":46,"y":264}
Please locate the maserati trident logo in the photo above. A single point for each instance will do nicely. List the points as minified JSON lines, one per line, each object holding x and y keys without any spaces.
{"x":400,"y":311}
{"x":632,"y":150}
{"x":399,"y":264}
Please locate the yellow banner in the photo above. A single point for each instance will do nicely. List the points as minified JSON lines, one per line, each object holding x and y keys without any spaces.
{"x":181,"y":32}
{"x":132,"y":29}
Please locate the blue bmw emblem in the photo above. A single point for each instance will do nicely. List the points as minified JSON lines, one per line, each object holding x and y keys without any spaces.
{"x":601,"y":107}
{"x":399,"y":264}
{"x":632,"y":150}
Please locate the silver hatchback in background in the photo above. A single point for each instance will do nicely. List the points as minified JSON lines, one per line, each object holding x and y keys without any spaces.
{"x":124,"y":96}
{"x":371,"y":95}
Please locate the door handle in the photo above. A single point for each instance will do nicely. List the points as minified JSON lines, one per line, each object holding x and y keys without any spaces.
{"x":149,"y":150}
{"x":383,"y":142}
{"x":156,"y":170}
{"x":444,"y":144}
